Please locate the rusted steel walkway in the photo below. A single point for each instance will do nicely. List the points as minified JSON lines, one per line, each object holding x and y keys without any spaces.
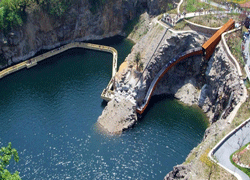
{"x":163,"y":71}
{"x":206,"y":50}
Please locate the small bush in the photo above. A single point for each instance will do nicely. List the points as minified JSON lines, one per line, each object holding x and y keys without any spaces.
{"x":12,"y":13}
{"x":204,"y":159}
{"x":54,"y":7}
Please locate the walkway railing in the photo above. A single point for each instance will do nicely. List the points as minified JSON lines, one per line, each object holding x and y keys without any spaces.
{"x":180,"y":57}
{"x":222,"y":141}
{"x":107,"y":93}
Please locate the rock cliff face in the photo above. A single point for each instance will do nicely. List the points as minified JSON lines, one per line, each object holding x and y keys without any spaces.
{"x":42,"y":31}
{"x":118,"y":115}
{"x":179,"y":172}
{"x":184,"y":73}
{"x":213,"y":85}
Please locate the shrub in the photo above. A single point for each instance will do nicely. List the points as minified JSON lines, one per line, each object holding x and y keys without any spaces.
{"x":12,"y":13}
{"x":54,"y":7}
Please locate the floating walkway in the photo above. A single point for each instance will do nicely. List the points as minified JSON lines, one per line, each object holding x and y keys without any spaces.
{"x":106,"y":94}
{"x":206,"y":50}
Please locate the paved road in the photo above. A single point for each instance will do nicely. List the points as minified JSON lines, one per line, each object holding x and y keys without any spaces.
{"x":238,"y":139}
{"x":246,"y":55}
{"x":246,"y":51}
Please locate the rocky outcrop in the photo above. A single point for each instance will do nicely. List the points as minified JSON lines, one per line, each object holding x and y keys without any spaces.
{"x":118,"y":115}
{"x":179,"y":172}
{"x":42,"y":31}
{"x":184,"y":73}
{"x":223,"y":90}
{"x":213,"y":85}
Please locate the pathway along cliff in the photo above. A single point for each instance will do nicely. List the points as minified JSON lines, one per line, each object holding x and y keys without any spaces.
{"x":213,"y":85}
{"x":118,"y":125}
{"x":207,"y":50}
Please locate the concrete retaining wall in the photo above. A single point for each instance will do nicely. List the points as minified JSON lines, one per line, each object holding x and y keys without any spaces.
{"x":228,"y":52}
{"x":33,"y":61}
{"x":202,"y":29}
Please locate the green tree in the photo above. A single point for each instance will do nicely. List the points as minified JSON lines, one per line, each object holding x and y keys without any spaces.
{"x":141,"y":66}
{"x":12,"y":13}
{"x":6,"y":154}
{"x":137,"y":59}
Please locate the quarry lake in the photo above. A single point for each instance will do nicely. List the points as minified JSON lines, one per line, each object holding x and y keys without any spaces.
{"x":49,"y":113}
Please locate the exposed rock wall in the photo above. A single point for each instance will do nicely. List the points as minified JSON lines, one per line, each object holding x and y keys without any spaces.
{"x":118,"y":115}
{"x":195,"y":81}
{"x":42,"y":31}
{"x":179,"y":172}
{"x":213,"y":85}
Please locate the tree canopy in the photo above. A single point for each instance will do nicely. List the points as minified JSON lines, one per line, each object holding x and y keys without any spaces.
{"x":6,"y":154}
{"x":12,"y":13}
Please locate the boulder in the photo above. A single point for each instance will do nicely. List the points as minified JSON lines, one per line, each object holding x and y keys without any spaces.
{"x":118,"y":115}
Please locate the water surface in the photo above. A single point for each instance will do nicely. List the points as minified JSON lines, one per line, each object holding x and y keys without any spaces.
{"x":49,"y":113}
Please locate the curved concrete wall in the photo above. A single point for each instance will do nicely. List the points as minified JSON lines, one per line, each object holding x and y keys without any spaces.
{"x":228,"y":52}
{"x":33,"y":61}
{"x":201,"y":28}
{"x":219,"y":144}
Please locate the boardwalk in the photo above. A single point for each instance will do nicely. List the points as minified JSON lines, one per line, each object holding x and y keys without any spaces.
{"x":107,"y":93}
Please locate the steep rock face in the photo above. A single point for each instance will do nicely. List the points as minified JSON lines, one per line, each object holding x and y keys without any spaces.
{"x":181,"y":74}
{"x":120,"y":113}
{"x":42,"y":31}
{"x":223,"y":89}
{"x":213,"y":85}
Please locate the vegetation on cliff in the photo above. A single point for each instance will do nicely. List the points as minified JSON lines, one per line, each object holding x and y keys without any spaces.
{"x":54,"y":7}
{"x":243,"y":157}
{"x":12,"y":13}
{"x":6,"y":154}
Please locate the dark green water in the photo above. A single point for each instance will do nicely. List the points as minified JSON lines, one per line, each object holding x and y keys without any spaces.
{"x":49,"y":113}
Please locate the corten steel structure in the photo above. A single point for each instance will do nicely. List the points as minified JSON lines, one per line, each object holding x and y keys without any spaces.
{"x":209,"y":46}
{"x":180,"y":57}
{"x":207,"y":50}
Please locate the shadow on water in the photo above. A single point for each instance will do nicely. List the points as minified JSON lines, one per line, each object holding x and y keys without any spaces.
{"x":108,"y":41}
{"x":166,"y":110}
{"x":104,"y":104}
{"x":154,"y":100}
